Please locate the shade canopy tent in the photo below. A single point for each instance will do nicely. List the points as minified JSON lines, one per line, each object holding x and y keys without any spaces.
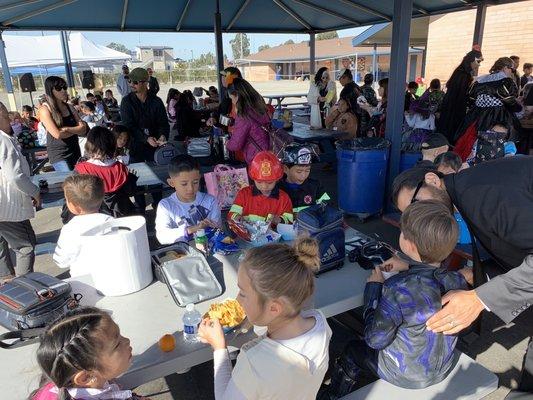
{"x":41,"y":51}
{"x":293,"y":16}
{"x":381,"y":34}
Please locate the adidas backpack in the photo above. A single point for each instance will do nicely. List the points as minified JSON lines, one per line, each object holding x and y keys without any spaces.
{"x":325,"y":224}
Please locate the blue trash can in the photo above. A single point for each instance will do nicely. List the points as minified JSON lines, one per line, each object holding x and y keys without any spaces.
{"x":362,"y":170}
{"x":409,"y":159}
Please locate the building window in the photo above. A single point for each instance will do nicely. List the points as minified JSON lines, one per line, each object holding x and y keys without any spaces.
{"x":158,"y":53}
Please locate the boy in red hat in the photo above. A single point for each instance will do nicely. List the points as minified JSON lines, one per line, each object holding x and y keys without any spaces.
{"x":263,"y":200}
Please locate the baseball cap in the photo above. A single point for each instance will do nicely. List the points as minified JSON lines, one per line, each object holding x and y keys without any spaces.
{"x":298,"y":154}
{"x":434,"y":140}
{"x":138,"y":74}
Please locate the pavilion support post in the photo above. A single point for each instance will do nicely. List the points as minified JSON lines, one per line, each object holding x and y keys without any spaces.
{"x":312,"y":55}
{"x":375,"y":62}
{"x":7,"y":76}
{"x":401,"y":27}
{"x":479,"y":25}
{"x":219,"y":48}
{"x":68,"y":63}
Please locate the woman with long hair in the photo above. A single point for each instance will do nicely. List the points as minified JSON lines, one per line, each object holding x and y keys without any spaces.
{"x":454,"y":104}
{"x":63,"y":125}
{"x":251,"y":116}
{"x":492,"y":101}
{"x":322,"y":94}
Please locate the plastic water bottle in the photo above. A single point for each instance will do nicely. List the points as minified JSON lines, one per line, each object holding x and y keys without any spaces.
{"x":191,"y":321}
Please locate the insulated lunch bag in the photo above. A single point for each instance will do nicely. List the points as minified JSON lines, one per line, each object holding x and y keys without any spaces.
{"x":32,"y":301}
{"x":325,"y":224}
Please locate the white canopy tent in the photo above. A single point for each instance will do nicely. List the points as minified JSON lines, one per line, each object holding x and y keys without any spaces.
{"x":28,"y":51}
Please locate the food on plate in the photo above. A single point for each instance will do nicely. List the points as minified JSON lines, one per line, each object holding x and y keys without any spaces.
{"x":167,"y":343}
{"x":229,"y":313}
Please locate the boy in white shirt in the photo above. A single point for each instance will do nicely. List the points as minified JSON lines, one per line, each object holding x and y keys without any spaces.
{"x":84,"y":195}
{"x":187,"y":210}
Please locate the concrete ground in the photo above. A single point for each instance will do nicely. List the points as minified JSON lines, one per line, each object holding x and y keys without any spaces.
{"x":500,"y":348}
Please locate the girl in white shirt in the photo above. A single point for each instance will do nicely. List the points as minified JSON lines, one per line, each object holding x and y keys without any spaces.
{"x":291,"y":359}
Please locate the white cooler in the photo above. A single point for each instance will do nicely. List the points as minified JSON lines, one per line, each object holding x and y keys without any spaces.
{"x":118,"y":256}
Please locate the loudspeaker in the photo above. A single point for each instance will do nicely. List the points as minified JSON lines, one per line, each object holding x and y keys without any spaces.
{"x":87,"y":81}
{"x":27,"y":84}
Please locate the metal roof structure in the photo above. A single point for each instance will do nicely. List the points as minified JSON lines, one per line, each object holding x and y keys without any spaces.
{"x":273,"y":16}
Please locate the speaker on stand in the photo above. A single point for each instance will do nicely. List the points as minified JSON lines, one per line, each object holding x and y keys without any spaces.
{"x":27,"y":85}
{"x":87,"y":81}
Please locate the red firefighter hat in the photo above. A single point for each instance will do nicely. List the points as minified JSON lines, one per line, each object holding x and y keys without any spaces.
{"x":266,"y":167}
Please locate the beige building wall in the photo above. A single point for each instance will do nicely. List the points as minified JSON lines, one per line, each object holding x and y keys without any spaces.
{"x":508,"y":31}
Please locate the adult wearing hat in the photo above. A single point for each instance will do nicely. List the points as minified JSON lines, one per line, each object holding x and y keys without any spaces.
{"x":434,"y":145}
{"x":123,"y":85}
{"x":495,"y":200}
{"x":144,"y":114}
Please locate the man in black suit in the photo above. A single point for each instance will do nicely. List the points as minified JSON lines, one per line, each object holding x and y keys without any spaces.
{"x":495,"y":199}
{"x":153,"y":84}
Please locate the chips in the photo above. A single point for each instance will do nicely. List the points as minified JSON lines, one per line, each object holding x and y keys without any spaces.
{"x":229,"y":313}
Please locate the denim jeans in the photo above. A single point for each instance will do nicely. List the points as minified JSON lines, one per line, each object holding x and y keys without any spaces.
{"x":61,"y":166}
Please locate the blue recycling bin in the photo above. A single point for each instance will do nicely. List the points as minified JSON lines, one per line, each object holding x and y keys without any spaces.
{"x":361,"y":174}
{"x":409,"y":159}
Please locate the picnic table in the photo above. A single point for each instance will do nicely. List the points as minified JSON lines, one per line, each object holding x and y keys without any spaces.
{"x":147,"y":315}
{"x":324,"y":138}
{"x":151,"y":178}
{"x":280,"y":97}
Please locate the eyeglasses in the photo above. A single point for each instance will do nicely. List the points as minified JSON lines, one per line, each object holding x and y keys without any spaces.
{"x":418,"y":187}
{"x":60,"y":87}
{"x":136,"y":82}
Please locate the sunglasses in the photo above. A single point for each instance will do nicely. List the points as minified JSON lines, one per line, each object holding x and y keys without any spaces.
{"x":136,"y":82}
{"x":60,"y":87}
{"x":418,"y":187}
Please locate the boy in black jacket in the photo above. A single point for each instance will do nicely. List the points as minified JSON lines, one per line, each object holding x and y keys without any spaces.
{"x":302,"y":190}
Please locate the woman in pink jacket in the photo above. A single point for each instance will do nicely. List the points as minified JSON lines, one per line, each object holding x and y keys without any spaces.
{"x":248,"y":134}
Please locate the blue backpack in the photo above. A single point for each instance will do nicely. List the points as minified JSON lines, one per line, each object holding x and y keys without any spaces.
{"x":325,"y":224}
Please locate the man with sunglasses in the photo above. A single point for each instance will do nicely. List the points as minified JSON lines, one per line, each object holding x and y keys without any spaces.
{"x":145,"y":116}
{"x":496,"y":201}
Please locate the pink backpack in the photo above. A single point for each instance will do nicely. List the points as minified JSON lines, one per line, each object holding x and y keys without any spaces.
{"x":225,"y":182}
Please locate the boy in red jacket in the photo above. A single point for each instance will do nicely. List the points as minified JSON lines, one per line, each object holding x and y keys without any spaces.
{"x":263,"y":200}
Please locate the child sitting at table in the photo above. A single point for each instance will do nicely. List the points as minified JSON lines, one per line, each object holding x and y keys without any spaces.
{"x":123,"y":141}
{"x":398,"y":347}
{"x":187,"y":210}
{"x":263,"y":200}
{"x":81,"y":353}
{"x":343,"y":119}
{"x":290,"y":360}
{"x":448,"y":163}
{"x":303,"y":190}
{"x":84,"y":195}
{"x":119,"y":183}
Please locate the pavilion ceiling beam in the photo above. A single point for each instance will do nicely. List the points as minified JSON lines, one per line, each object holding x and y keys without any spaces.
{"x":238,"y":14}
{"x":366,"y":9}
{"x":183,"y":15}
{"x":420,"y":9}
{"x":326,"y":11}
{"x":39,"y":11}
{"x":292,"y":13}
{"x":18,"y":4}
{"x":124,"y":13}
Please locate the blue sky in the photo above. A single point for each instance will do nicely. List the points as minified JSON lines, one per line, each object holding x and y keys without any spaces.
{"x":184,"y":43}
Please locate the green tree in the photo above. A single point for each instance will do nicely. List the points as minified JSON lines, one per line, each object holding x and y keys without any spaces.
{"x":263,"y":47}
{"x":240,"y":46}
{"x":119,"y":47}
{"x":327,"y":35}
{"x":290,"y":41}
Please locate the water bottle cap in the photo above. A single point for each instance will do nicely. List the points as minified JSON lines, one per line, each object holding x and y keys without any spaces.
{"x":190,"y":307}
